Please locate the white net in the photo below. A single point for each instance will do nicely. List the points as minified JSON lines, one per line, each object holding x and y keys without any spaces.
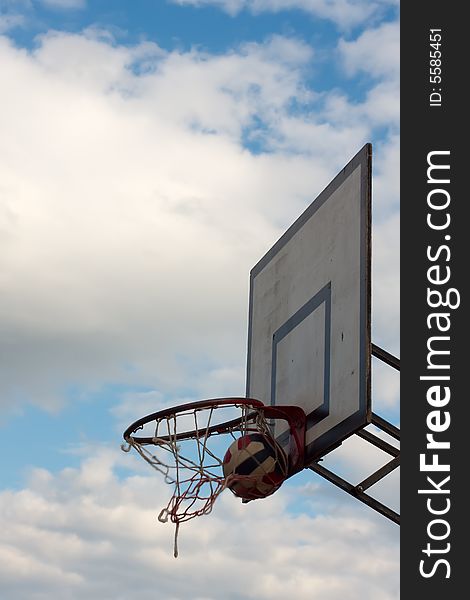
{"x":188,"y":449}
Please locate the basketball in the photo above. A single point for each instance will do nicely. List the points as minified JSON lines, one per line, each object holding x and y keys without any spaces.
{"x":254,"y":466}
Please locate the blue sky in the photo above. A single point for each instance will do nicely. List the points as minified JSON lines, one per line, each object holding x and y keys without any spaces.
{"x":150,"y":153}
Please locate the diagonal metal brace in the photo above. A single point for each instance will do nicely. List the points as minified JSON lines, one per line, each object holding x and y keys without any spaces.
{"x":378,"y":442}
{"x":385,"y":356}
{"x":384,"y":425}
{"x":357,"y":490}
{"x":379,"y":474}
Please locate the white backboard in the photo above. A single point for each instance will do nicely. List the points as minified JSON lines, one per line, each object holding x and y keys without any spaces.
{"x":309,"y":313}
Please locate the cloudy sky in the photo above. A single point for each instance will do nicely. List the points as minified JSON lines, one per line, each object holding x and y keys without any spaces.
{"x":150,"y":153}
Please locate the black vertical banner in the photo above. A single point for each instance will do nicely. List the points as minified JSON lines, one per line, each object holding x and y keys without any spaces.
{"x":435,"y":266}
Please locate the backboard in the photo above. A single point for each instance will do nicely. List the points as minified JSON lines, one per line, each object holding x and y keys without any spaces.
{"x":309,"y":314}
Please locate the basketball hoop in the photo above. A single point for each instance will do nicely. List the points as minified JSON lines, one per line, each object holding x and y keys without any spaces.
{"x":184,"y":444}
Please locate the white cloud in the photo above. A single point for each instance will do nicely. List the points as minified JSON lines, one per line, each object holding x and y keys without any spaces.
{"x":14,"y":14}
{"x":84,"y":532}
{"x":10,"y":21}
{"x":131,"y":212}
{"x":113,"y":204}
{"x":375,"y":51}
{"x":344,"y":13}
{"x":379,"y":108}
{"x":64,"y":4}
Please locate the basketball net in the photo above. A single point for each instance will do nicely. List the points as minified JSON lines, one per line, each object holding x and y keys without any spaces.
{"x":188,"y":461}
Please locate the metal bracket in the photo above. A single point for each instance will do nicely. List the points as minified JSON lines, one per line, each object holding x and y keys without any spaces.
{"x":358,"y":491}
